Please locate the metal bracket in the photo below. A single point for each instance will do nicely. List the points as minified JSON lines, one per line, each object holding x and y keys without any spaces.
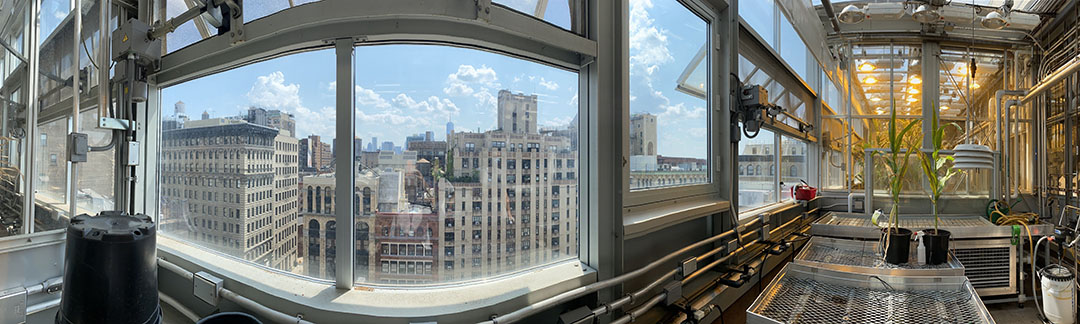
{"x":54,"y":285}
{"x":483,"y":10}
{"x":114,"y":123}
{"x":206,"y":286}
{"x":574,"y":316}
{"x":672,"y":292}
{"x":236,"y":23}
{"x":765,"y":228}
{"x":687,"y":267}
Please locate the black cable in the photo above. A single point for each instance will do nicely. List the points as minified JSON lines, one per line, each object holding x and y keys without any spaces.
{"x":887,"y":285}
{"x":748,"y":134}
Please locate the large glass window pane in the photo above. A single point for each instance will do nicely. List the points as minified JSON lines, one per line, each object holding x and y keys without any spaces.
{"x":255,"y":9}
{"x":468,"y":164}
{"x":50,"y":182}
{"x":14,"y":89}
{"x":231,"y":165}
{"x":559,"y":13}
{"x":793,"y":164}
{"x":760,"y":16}
{"x":793,"y":49}
{"x":96,"y":180}
{"x":757,"y":171}
{"x":669,"y":140}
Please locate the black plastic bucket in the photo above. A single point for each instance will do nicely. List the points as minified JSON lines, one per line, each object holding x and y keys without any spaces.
{"x":898,"y":248}
{"x":229,"y":318}
{"x":937,"y":245}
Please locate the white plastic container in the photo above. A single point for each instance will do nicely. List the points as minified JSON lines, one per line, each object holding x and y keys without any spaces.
{"x":1058,"y":294}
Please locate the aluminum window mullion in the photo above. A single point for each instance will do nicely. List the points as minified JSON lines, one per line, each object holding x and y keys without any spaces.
{"x":344,"y":173}
{"x":778,"y":146}
{"x":31,"y":117}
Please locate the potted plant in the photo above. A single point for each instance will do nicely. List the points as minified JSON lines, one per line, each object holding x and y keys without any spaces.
{"x":897,"y":240}
{"x":936,"y":241}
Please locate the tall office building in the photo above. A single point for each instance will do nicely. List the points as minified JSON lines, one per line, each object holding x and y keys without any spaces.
{"x":449,"y":130}
{"x":643,"y":134}
{"x":226,"y":180}
{"x":281,"y":120}
{"x":517,"y":113}
{"x":387,"y":146}
{"x":510,"y":201}
{"x":315,"y":156}
{"x":413,"y":138}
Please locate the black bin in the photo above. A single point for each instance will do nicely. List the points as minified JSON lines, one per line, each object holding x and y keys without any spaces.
{"x":229,"y":318}
{"x":110,"y":270}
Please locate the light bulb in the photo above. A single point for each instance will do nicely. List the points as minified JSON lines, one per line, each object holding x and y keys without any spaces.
{"x":866,"y":67}
{"x":870,"y":80}
{"x":944,"y":107}
{"x":875,"y":99}
{"x":912,"y":99}
{"x":913,"y":91}
{"x":914,"y":79}
{"x":975,"y":85}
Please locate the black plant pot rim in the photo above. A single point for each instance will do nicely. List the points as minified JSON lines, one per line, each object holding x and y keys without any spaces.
{"x":899,"y":231}
{"x":938,"y":232}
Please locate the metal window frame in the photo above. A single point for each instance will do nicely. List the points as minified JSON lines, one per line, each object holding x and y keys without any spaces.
{"x":335,"y":24}
{"x":646,"y":197}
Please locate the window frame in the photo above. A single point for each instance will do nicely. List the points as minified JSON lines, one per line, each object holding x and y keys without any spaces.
{"x":647,"y":198}
{"x":502,"y":33}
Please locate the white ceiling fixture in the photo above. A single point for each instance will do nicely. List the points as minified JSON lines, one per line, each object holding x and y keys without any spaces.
{"x":994,"y":20}
{"x":852,"y":15}
{"x":926,"y":14}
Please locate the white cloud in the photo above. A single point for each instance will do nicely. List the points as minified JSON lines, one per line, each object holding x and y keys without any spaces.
{"x":486,"y":101}
{"x":368,"y":97}
{"x":675,"y":113}
{"x":573,"y":101}
{"x":273,"y":92}
{"x":648,"y":44}
{"x":550,"y":85}
{"x":460,"y":83}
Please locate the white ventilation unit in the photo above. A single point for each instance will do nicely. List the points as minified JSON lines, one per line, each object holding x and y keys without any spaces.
{"x":1024,"y":21}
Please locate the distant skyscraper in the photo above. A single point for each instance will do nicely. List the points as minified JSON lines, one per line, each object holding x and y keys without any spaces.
{"x":428,"y":136}
{"x":449,"y":130}
{"x":374,"y":144}
{"x":180,"y":108}
{"x":517,"y":113}
{"x":205,"y":115}
{"x":387,"y":146}
{"x":358,"y":145}
{"x":413,"y":138}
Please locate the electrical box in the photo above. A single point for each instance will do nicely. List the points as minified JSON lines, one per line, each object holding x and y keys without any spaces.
{"x":78,"y":147}
{"x":13,"y":305}
{"x":133,"y":153}
{"x":206,"y":287}
{"x":133,"y":38}
{"x":754,"y":96}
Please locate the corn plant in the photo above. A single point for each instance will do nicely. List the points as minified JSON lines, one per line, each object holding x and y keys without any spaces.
{"x":932,"y":164}
{"x":896,"y":162}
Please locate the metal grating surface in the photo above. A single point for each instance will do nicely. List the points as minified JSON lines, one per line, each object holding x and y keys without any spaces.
{"x":860,"y":258}
{"x":986,"y":267}
{"x":801,"y":300}
{"x":911,"y":222}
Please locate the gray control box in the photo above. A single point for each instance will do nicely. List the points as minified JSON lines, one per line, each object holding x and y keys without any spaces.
{"x":78,"y":146}
{"x":206,"y":287}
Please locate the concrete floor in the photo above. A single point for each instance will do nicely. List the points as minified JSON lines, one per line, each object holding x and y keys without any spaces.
{"x":1013,"y":314}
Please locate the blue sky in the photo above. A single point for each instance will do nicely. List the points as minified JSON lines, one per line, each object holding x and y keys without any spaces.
{"x":406,"y":89}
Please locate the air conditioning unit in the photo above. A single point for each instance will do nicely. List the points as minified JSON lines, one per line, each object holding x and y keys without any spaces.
{"x":885,"y":10}
{"x":1024,"y":21}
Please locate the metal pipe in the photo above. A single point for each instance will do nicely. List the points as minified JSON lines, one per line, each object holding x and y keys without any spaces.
{"x":831,"y":12}
{"x":1065,"y":70}
{"x":545,"y":304}
{"x":262,"y":311}
{"x":243,"y":302}
{"x":1007,"y":158}
{"x":171,"y":24}
{"x":179,"y":307}
{"x":104,"y":36}
{"x":73,"y":182}
{"x":640,"y":310}
{"x":39,"y":307}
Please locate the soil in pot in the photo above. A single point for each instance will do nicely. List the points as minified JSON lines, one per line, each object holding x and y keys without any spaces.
{"x":898,"y":248}
{"x":936,"y":243}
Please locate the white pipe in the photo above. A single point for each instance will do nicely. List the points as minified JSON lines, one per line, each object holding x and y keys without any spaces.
{"x":243,"y":302}
{"x":1006,"y":152}
{"x":851,"y":200}
{"x":39,"y":307}
{"x":187,"y":312}
{"x":1054,"y":77}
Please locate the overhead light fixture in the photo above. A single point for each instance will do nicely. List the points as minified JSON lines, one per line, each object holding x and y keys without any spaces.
{"x":852,"y":15}
{"x":912,"y":99}
{"x":866,"y":67}
{"x":961,"y":68}
{"x":994,"y":20}
{"x":880,"y":110}
{"x":875,"y":99}
{"x":925,"y":14}
{"x":914,"y":79}
{"x":975,"y":85}
{"x":869,"y":80}
{"x":913,"y":91}
{"x":944,"y":107}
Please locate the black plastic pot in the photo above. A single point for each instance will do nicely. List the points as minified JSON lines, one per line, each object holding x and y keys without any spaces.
{"x":898,"y":248}
{"x":936,"y":243}
{"x":229,"y":318}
